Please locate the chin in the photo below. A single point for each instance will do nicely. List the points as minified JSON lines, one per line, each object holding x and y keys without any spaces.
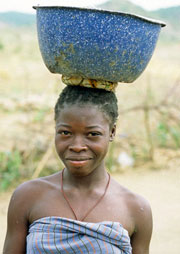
{"x":79,"y":171}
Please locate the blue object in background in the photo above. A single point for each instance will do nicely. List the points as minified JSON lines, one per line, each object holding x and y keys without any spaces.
{"x":96,"y":44}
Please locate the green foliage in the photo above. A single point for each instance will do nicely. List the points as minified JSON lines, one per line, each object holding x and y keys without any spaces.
{"x":175,"y":135}
{"x":10,"y":165}
{"x":167,"y":135}
{"x":41,"y":114}
{"x":1,"y":46}
{"x":133,"y":151}
{"x":162,"y":134}
{"x":110,"y":160}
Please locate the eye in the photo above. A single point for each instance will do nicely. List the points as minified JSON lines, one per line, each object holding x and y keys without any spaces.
{"x":64,"y":133}
{"x":94,"y":134}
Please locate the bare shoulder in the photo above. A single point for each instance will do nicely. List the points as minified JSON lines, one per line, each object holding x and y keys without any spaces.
{"x":135,"y":202}
{"x":25,"y":196}
{"x":26,"y":193}
{"x":138,"y":207}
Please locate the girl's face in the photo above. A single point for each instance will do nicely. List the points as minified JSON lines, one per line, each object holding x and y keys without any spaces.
{"x":82,"y":138}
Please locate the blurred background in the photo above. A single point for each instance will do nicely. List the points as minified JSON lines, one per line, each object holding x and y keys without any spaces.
{"x":145,"y":155}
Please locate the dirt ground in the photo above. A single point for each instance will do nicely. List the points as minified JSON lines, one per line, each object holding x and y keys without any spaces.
{"x":161,"y":188}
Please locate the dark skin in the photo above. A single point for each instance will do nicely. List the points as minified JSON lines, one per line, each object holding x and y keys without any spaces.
{"x":82,"y":138}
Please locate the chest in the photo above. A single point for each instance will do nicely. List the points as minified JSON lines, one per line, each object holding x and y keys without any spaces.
{"x":108,"y":209}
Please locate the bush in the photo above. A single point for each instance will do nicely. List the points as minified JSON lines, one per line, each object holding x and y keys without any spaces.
{"x":1,"y":46}
{"x":10,"y":165}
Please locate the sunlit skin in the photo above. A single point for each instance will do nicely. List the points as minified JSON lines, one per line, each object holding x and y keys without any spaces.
{"x":82,"y":136}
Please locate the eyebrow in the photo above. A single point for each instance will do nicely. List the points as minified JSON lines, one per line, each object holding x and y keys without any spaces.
{"x":93,"y":126}
{"x":63,"y":125}
{"x":88,"y":127}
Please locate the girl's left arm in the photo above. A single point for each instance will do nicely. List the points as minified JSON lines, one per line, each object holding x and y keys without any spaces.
{"x":141,"y":237}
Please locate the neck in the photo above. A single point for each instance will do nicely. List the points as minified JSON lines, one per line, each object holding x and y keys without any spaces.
{"x":98,"y":176}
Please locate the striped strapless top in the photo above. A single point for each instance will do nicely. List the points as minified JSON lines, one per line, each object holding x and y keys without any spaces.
{"x":53,"y":235}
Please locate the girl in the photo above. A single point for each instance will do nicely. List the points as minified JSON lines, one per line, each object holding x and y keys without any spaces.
{"x":80,"y":209}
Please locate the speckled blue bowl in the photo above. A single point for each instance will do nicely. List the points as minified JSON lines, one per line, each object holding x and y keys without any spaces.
{"x":96,"y":44}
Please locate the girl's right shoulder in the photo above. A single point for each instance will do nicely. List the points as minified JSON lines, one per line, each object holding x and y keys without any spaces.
{"x":29,"y":191}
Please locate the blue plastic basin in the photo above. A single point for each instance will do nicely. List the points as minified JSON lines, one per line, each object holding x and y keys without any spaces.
{"x":96,"y":44}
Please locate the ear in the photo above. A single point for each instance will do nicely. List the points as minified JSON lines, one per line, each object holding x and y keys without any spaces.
{"x":112,"y":133}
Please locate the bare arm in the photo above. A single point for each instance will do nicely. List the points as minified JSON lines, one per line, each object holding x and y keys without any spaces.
{"x":15,"y":242}
{"x":140,"y":240}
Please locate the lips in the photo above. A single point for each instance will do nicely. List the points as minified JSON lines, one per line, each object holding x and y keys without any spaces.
{"x":78,"y":161}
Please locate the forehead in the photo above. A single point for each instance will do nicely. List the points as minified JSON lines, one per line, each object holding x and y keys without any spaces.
{"x":88,"y":114}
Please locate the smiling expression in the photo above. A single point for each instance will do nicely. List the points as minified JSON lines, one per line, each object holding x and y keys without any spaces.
{"x":82,"y":138}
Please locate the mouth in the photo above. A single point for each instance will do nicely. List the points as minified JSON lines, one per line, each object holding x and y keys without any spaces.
{"x":78,"y":162}
{"x":78,"y":159}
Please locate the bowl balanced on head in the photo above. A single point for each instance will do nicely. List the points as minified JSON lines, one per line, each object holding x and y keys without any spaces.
{"x":96,"y":44}
{"x":81,"y":208}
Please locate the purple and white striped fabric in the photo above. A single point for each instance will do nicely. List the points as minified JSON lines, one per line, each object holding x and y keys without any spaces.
{"x":53,"y":235}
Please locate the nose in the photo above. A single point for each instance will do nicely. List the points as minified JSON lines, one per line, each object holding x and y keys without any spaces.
{"x":77,"y":145}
